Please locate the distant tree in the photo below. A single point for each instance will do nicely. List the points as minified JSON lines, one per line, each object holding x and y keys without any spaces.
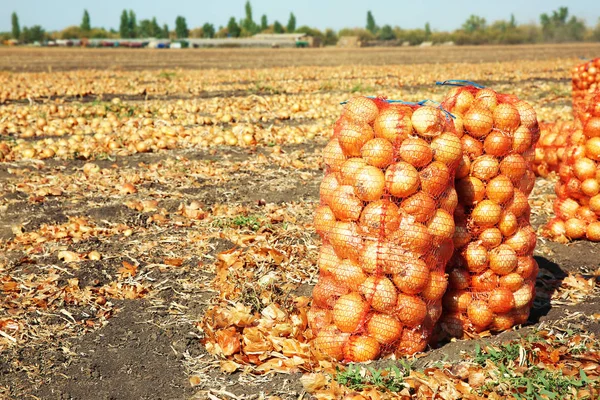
{"x":208,"y":30}
{"x":124,"y":25}
{"x":181,"y":28}
{"x":474,"y":23}
{"x":264,"y":23}
{"x":427,"y":30}
{"x":145,"y":29}
{"x":71,"y":32}
{"x":331,"y":38}
{"x":558,"y":28}
{"x":386,"y":33}
{"x":166,"y":34}
{"x":233,"y":29}
{"x":277,"y":27}
{"x":513,"y":22}
{"x":291,"y":25}
{"x":371,"y":25}
{"x":34,"y":34}
{"x":363,"y":34}
{"x":155,"y":31}
{"x":16,"y":29}
{"x":85,"y":22}
{"x":132,"y":25}
{"x":596,"y":32}
{"x":247,"y":24}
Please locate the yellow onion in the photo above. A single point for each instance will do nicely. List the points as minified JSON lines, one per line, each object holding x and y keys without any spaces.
{"x":420,"y":205}
{"x":384,"y":328}
{"x":486,"y":214}
{"x":593,"y":232}
{"x":499,"y":189}
{"x":349,"y":169}
{"x":501,"y":300}
{"x":447,"y":149}
{"x":480,"y":314}
{"x":331,"y":342}
{"x":575,"y":228}
{"x":485,"y":167}
{"x":378,"y":152}
{"x":324,"y":220}
{"x":328,"y":259}
{"x":402,"y":179}
{"x":435,"y":179}
{"x":361,"y":348}
{"x":497,"y":144}
{"x":506,"y":118}
{"x":490,"y":238}
{"x":428,"y":121}
{"x":327,"y":188}
{"x":345,"y":205}
{"x":393,"y":124}
{"x":411,"y":310}
{"x":333,"y":155}
{"x":349,"y":273}
{"x":346,"y":240}
{"x":503,"y":259}
{"x":368,"y":184}
{"x":380,"y":217}
{"x":352,"y":137}
{"x":416,"y":152}
{"x":478,"y":121}
{"x":361,"y":109}
{"x":349,"y":312}
{"x":379,"y":292}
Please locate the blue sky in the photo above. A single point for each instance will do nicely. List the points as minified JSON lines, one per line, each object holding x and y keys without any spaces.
{"x":336,"y":14}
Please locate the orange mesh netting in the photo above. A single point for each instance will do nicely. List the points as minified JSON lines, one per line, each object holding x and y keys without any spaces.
{"x":550,"y":149}
{"x":386,"y":220}
{"x":492,"y":273}
{"x":586,"y":84}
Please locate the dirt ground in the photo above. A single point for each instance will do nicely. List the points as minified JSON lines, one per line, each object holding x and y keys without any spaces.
{"x":125,"y":325}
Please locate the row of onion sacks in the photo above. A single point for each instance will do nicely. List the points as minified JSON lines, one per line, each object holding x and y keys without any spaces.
{"x":386,"y":219}
{"x":577,"y":204}
{"x":552,"y":145}
{"x":492,"y":272}
{"x":585,"y":80}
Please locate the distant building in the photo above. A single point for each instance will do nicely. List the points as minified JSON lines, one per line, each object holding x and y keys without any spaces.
{"x":349,"y":41}
{"x":274,"y":40}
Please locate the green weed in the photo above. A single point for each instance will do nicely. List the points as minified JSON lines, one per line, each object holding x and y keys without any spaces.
{"x":356,"y":377}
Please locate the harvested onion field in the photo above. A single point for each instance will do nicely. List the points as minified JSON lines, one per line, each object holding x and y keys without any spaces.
{"x":157,"y":239}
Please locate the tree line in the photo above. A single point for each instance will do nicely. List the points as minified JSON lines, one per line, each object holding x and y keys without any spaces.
{"x":558,"y":26}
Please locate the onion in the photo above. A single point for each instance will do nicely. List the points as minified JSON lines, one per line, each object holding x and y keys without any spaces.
{"x":523,"y":242}
{"x":485,"y":167}
{"x":457,"y":300}
{"x":346,"y":240}
{"x":393,"y":124}
{"x":459,"y":278}
{"x":523,"y":296}
{"x":519,"y":205}
{"x":324,"y":220}
{"x":349,"y":273}
{"x":361,"y":109}
{"x":413,"y":236}
{"x":416,"y":152}
{"x":384,"y":328}
{"x":448,"y":201}
{"x":501,"y":300}
{"x":463,"y":101}
{"x":428,"y":121}
{"x":328,"y":186}
{"x":327,"y":259}
{"x":319,"y":318}
{"x":486,"y":214}
{"x":349,"y":169}
{"x":594,"y":204}
{"x":503,"y":260}
{"x":410,"y":310}
{"x":326,"y":292}
{"x":486,"y":98}
{"x":434,"y":312}
{"x":500,"y":189}
{"x":590,"y":187}
{"x":484,"y":282}
{"x":521,"y":314}
{"x":512,"y":281}
{"x":361,"y":348}
{"x":352,"y":137}
{"x":527,"y":182}
{"x":441,"y":225}
{"x":593,"y":232}
{"x":503,"y":322}
{"x":412,"y":341}
{"x":379,"y":292}
{"x":584,"y":168}
{"x":378,"y":152}
{"x":585,"y":214}
{"x":566,"y":208}
{"x":497,"y":144}
{"x":420,"y":205}
{"x":345,"y":205}
{"x":447,"y":149}
{"x":333,"y":155}
{"x":575,"y":228}
{"x":369,"y":183}
{"x":506,"y":118}
{"x":471,"y":146}
{"x":461,"y":236}
{"x":476,"y":256}
{"x":402,"y":179}
{"x":514,"y":167}
{"x":480,"y":314}
{"x":592,"y":148}
{"x":331,"y":342}
{"x":490,"y":238}
{"x":435,"y":178}
{"x":478,"y":121}
{"x":349,"y":312}
{"x":412,"y":276}
{"x":470,"y":191}
{"x":592,"y":127}
{"x":436,"y":286}
{"x":522,"y":140}
{"x":464,"y":167}
{"x":508,"y":224}
{"x":527,"y":267}
{"x":527,"y":115}
{"x":369,"y":257}
{"x":380,"y":217}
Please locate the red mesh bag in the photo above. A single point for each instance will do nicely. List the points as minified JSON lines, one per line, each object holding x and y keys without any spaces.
{"x":492,"y":273}
{"x":577,"y":204}
{"x":550,"y":148}
{"x":586,"y":85}
{"x":386,"y":220}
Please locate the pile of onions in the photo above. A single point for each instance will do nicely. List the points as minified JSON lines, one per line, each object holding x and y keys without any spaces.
{"x":577,"y":204}
{"x":492,"y":271}
{"x":386,"y":220}
{"x":586,"y":85}
{"x":550,"y":150}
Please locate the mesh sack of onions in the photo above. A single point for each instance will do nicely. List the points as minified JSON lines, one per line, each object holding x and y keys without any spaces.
{"x":551,"y":147}
{"x":385,"y":217}
{"x":577,"y":204}
{"x":491,"y":276}
{"x":585,"y":85}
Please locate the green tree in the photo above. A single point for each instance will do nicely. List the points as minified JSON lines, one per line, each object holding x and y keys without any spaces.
{"x":208,"y":30}
{"x":427,"y":30}
{"x":16,"y":29}
{"x":559,"y":28}
{"x":34,"y":34}
{"x":248,"y":24}
{"x":145,"y":28}
{"x":331,"y":38}
{"x":386,"y":33}
{"x":264,"y":23}
{"x":124,"y":25}
{"x":132,"y":25}
{"x":233,"y":29}
{"x":474,"y":23}
{"x":166,"y":34}
{"x":71,"y":32}
{"x":85,"y":22}
{"x":371,"y":25}
{"x":513,"y":22}
{"x":181,"y":28}
{"x":277,"y":27}
{"x":291,"y":25}
{"x":155,"y":31}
